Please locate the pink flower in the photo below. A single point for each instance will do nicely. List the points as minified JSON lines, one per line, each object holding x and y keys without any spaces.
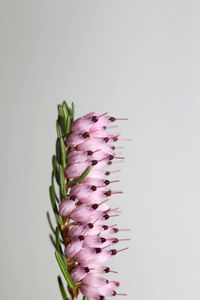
{"x":89,"y":238}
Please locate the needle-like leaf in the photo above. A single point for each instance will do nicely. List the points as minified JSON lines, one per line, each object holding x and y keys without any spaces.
{"x":52,"y":240}
{"x":72,"y":111}
{"x":58,"y":242}
{"x":53,"y":186}
{"x":55,"y":168}
{"x":61,"y":118}
{"x":68,"y":125}
{"x":59,"y":130}
{"x":63,"y":192}
{"x":63,"y":153}
{"x":62,"y":289}
{"x":54,"y":206}
{"x":64,"y":270}
{"x":50,"y":223}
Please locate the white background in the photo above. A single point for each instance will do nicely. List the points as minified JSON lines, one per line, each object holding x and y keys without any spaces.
{"x":137,"y":59}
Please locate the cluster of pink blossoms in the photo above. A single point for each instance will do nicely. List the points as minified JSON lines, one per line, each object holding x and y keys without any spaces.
{"x":89,"y":238}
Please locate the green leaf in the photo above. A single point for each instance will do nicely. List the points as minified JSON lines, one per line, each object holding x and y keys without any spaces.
{"x":54,"y":165}
{"x":55,"y":168}
{"x":58,"y":150}
{"x":65,"y":109}
{"x":58,"y":246}
{"x":72,"y":111}
{"x":68,"y":125}
{"x":62,"y":289}
{"x":53,"y":186}
{"x":54,"y":206}
{"x":63,"y":192}
{"x":58,"y":219}
{"x":60,"y":111}
{"x":52,"y":240}
{"x":84,"y":298}
{"x":64,"y":270}
{"x":63,"y":153}
{"x":52,"y":198}
{"x":58,"y":129}
{"x":50,"y":223}
{"x":81,"y":177}
{"x":61,"y":119}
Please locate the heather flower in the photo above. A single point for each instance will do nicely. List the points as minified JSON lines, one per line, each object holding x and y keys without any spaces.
{"x":84,"y":241}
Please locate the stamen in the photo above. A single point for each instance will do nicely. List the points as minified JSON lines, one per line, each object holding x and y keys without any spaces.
{"x":103,"y":240}
{"x":95,"y":206}
{"x":121,"y":139}
{"x":111,"y":127}
{"x":103,"y":201}
{"x":98,"y":250}
{"x":111,"y":172}
{"x":114,"y":216}
{"x":94,"y":119}
{"x":105,"y":227}
{"x":122,"y":249}
{"x":94,"y":162}
{"x":107,"y":182}
{"x":93,"y":188}
{"x":106,"y":139}
{"x":103,"y":115}
{"x":108,"y":193}
{"x":107,"y":270}
{"x":86,"y":269}
{"x":89,"y":153}
{"x":90,"y":225}
{"x":85,"y":135}
{"x":113,"y":252}
{"x":111,"y":119}
{"x":113,"y":272}
{"x":117,"y":192}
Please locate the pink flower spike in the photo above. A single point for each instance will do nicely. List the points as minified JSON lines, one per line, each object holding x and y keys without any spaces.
{"x":87,"y":151}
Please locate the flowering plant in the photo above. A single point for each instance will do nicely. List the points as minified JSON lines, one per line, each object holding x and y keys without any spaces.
{"x":82,"y":239}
